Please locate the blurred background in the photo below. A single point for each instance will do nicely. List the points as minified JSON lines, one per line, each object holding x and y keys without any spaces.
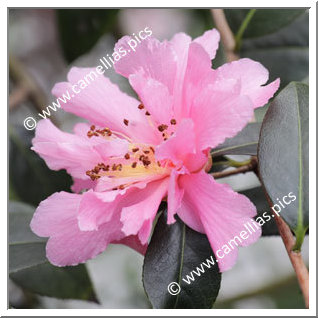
{"x":43,"y":45}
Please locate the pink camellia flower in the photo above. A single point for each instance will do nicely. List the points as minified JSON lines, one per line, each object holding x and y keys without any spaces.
{"x":133,"y":154}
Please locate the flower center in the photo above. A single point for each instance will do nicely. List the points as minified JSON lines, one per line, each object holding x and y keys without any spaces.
{"x":138,"y":162}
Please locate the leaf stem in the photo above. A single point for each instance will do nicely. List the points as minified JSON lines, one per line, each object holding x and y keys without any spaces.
{"x":240,"y":32}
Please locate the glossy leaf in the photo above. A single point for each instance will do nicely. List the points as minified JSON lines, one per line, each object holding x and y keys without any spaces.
{"x":174,"y":251}
{"x":284,"y":53}
{"x":30,"y":178}
{"x":244,"y":143}
{"x":29,"y":267}
{"x":264,"y":21}
{"x":283,"y":154}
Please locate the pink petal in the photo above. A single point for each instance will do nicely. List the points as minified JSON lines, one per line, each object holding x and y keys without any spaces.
{"x":133,"y":242}
{"x":75,"y":153}
{"x":219,"y":113}
{"x":62,"y":150}
{"x":252,"y":76}
{"x":198,"y":75}
{"x":179,"y":145}
{"x":155,"y":96}
{"x":96,"y":208}
{"x":175,"y":195}
{"x":192,"y":57}
{"x":141,"y":208}
{"x":151,"y":58}
{"x":55,"y":214}
{"x":223,"y":214}
{"x":180,"y":43}
{"x":107,"y":183}
{"x":57,"y":217}
{"x":210,"y":42}
{"x":103,"y":104}
{"x":80,"y":185}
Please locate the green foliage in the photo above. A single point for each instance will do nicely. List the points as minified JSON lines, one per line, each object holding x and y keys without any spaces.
{"x":29,"y":267}
{"x":244,"y":143}
{"x":280,"y":44}
{"x":80,"y":29}
{"x":283,"y":154}
{"x":30,"y":178}
{"x":263,"y":21}
{"x":174,"y":251}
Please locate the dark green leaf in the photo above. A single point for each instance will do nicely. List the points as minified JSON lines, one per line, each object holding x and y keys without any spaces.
{"x":174,"y":251}
{"x":284,"y":53}
{"x":244,"y":143}
{"x":264,"y":21}
{"x":30,"y":178}
{"x":81,"y":29}
{"x":283,"y":155}
{"x":287,"y":63}
{"x":29,"y":267}
{"x":70,"y":282}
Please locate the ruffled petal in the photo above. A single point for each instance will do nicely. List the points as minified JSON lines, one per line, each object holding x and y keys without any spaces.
{"x":133,"y":242}
{"x":96,"y":208}
{"x":103,"y":104}
{"x":140,"y":209}
{"x":222,"y":212}
{"x":179,"y":145}
{"x":75,"y":153}
{"x":151,"y":58}
{"x":62,"y":150}
{"x":252,"y":76}
{"x":155,"y":96}
{"x":197,"y":76}
{"x":220,"y":112}
{"x":56,"y":217}
{"x":210,"y":42}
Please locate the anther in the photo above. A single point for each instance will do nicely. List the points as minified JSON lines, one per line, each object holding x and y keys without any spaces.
{"x":126,"y":121}
{"x":134,"y":149}
{"x":173,"y":122}
{"x":141,"y":106}
{"x":127,"y":156}
{"x":134,"y":164}
{"x":162,"y":127}
{"x":92,"y":127}
{"x":147,"y":113}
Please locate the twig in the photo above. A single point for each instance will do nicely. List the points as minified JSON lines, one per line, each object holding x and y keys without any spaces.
{"x":227,"y":36}
{"x":246,"y":168}
{"x":18,"y":96}
{"x":289,"y":242}
{"x":27,"y":87}
{"x":295,"y":257}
